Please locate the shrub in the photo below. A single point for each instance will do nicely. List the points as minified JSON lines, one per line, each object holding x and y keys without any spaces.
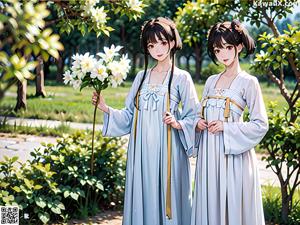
{"x":56,"y":184}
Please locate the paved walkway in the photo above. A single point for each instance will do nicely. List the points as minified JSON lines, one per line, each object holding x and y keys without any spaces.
{"x":48,"y":123}
{"x":21,"y":145}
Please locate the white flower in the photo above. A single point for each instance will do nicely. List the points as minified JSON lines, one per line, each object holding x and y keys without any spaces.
{"x":98,"y":15}
{"x":87,"y":63}
{"x":89,"y":6}
{"x":115,"y":68}
{"x":76,"y":62}
{"x":79,"y":75}
{"x":116,"y":80}
{"x":124,"y":63}
{"x":99,"y":72}
{"x":91,"y":2}
{"x":109,"y":53}
{"x":67,"y":77}
{"x":135,"y":5}
{"x":76,"y":84}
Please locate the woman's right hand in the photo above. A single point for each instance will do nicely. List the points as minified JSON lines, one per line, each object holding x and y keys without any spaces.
{"x":201,"y":125}
{"x":101,"y":102}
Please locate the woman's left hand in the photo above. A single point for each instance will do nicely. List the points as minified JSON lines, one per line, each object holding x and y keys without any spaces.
{"x":170,"y":120}
{"x":215,"y":126}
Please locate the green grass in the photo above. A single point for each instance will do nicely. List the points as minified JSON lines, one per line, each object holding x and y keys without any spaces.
{"x":66,"y":104}
{"x":58,"y":131}
{"x":272,"y":205}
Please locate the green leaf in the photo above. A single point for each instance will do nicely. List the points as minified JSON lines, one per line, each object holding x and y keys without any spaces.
{"x":44,"y":217}
{"x":40,"y":202}
{"x":66,"y":194}
{"x":14,"y":159}
{"x":276,"y":66}
{"x":84,"y":84}
{"x":61,"y":206}
{"x":28,"y":183}
{"x":286,"y":50}
{"x":38,"y":187}
{"x":16,"y":189}
{"x":74,"y":195}
{"x":278,"y":58}
{"x":56,"y":210}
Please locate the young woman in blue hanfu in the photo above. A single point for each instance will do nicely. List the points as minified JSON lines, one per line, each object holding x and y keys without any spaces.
{"x":158,"y":185}
{"x":227,"y":187}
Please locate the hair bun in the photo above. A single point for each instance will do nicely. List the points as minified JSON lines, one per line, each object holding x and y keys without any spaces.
{"x":166,"y":21}
{"x":237,"y":25}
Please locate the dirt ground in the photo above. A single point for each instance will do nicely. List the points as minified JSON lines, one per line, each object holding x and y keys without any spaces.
{"x":104,"y":218}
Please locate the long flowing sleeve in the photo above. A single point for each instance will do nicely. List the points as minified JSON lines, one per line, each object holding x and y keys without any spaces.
{"x":243,"y":136}
{"x":189,"y":101}
{"x":198,"y":134}
{"x":118,"y":122}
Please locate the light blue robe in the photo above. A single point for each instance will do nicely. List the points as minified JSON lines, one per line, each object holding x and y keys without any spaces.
{"x":146,"y":169}
{"x":226,"y":165}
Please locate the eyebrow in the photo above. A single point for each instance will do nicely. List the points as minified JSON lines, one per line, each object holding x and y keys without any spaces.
{"x":224,"y":45}
{"x":164,"y":39}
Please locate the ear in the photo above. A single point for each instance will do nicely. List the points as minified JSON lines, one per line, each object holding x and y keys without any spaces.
{"x":240,"y":48}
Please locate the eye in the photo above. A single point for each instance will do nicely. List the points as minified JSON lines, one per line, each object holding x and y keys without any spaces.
{"x":217,"y":51}
{"x":150,"y":46}
{"x":229,"y":47}
{"x":164,"y":43}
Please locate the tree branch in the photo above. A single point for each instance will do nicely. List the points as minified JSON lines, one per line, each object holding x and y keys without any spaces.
{"x":270,"y":22}
{"x":294,"y":68}
{"x":283,"y":89}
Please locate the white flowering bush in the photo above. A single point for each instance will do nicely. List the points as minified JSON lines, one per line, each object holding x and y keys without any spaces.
{"x":109,"y":69}
{"x":93,"y":15}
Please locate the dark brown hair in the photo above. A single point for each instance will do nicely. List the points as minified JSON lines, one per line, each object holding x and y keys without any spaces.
{"x":163,"y":28}
{"x":233,"y":33}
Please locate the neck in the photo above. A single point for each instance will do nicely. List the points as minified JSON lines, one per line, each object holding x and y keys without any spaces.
{"x":234,"y":68}
{"x":163,"y":65}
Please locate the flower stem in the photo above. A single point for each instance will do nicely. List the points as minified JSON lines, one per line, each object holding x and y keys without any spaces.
{"x":93,"y":134}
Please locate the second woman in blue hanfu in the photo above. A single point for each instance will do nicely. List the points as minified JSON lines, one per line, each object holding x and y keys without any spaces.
{"x":158,"y":187}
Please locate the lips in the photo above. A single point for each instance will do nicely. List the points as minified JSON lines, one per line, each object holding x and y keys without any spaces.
{"x":160,"y":55}
{"x":225,"y":60}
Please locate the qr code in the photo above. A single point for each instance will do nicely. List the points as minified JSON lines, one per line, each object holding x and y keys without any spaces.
{"x":9,"y":215}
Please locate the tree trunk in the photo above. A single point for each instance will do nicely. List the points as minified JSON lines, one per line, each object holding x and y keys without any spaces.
{"x":133,"y":65}
{"x":188,"y":63}
{"x":123,"y":38}
{"x":198,"y":54}
{"x":21,"y":95}
{"x":284,"y":203}
{"x":178,"y":61}
{"x":141,"y":62}
{"x":39,"y":82}
{"x":70,"y":58}
{"x":47,"y":69}
{"x":60,"y":69}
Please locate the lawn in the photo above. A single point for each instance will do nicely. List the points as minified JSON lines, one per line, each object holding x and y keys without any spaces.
{"x":66,"y":104}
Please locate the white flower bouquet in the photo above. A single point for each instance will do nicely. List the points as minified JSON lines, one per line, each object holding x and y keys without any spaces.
{"x":110,"y":69}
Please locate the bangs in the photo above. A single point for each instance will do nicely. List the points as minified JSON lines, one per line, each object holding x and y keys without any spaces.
{"x":227,"y":37}
{"x":154,"y":32}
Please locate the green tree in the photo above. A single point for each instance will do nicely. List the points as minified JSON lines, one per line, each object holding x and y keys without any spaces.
{"x":86,"y":16}
{"x":194,"y":20}
{"x":22,"y":37}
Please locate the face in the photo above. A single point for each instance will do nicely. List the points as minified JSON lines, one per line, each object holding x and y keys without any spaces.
{"x":160,"y":50}
{"x":226,"y":55}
